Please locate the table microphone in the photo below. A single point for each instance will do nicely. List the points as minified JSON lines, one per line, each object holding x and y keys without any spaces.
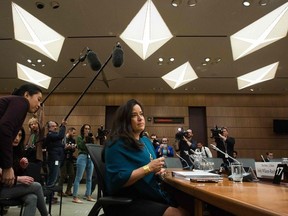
{"x":187,"y":167}
{"x":246,"y":176}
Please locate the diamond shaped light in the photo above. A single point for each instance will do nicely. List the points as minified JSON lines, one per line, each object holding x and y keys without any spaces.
{"x":257,"y":76}
{"x":33,"y":76}
{"x":266,"y":30}
{"x":32,"y":32}
{"x":180,"y":76}
{"x":147,"y":31}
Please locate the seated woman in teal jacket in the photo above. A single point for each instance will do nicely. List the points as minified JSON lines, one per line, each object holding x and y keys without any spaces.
{"x":132,"y":169}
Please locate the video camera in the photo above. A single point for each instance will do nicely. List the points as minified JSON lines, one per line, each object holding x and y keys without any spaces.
{"x":215,"y":132}
{"x":180,"y":134}
{"x":102,"y":133}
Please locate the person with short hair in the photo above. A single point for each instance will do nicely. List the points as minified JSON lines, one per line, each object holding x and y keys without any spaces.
{"x":67,"y":169}
{"x":269,"y":156}
{"x":203,"y":151}
{"x":55,"y":149}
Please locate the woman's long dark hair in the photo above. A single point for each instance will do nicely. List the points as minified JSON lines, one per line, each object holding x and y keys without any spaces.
{"x":88,"y":139}
{"x":30,"y":88}
{"x":122,"y":128}
{"x":18,"y":152}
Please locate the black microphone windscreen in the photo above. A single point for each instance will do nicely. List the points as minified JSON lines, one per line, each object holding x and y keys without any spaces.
{"x":93,"y":60}
{"x":117,"y":56}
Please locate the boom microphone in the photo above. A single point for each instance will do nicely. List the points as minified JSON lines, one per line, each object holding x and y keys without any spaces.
{"x":117,"y":56}
{"x":93,"y":60}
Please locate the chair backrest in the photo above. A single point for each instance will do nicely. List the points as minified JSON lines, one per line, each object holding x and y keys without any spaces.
{"x":276,"y":160}
{"x":173,"y":162}
{"x":247,"y":162}
{"x":95,"y":152}
{"x":217,"y":162}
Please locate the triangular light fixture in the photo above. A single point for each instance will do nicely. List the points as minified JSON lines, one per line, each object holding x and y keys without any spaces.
{"x":266,"y":30}
{"x":180,"y":76}
{"x":147,"y":31}
{"x":33,"y":76}
{"x":263,"y":74}
{"x":32,"y":32}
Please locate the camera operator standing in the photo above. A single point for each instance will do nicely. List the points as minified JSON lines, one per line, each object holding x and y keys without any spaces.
{"x":184,"y":145}
{"x":226,"y":144}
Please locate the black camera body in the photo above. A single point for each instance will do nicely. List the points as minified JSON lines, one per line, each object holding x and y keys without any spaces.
{"x":215,"y":132}
{"x":102,"y":133}
{"x":181,"y":134}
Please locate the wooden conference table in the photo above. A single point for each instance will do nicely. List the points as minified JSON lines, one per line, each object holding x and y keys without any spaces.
{"x":247,"y":198}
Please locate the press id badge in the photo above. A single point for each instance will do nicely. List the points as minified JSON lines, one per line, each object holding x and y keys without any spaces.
{"x":226,"y":155}
{"x":57,"y":163}
{"x":88,"y":156}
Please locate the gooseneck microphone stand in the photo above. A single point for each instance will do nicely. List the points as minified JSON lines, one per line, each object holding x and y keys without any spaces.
{"x":244,"y":171}
{"x":217,"y":149}
{"x":95,"y":77}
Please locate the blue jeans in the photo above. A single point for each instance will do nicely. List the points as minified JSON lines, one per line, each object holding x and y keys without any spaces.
{"x":83,"y":163}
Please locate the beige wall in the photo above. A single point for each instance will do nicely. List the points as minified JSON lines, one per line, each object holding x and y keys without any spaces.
{"x":248,"y":118}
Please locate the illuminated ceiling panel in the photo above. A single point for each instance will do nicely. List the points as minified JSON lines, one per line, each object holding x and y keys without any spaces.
{"x":268,"y":29}
{"x":180,"y":76}
{"x":257,"y":76}
{"x":33,"y":33}
{"x":33,"y":76}
{"x":147,"y":31}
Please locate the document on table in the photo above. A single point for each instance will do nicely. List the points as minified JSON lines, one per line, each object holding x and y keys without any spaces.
{"x":197,"y":176}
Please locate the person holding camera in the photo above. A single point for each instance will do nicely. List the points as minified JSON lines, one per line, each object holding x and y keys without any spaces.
{"x":226,"y":144}
{"x":83,"y":163}
{"x":67,"y":169}
{"x":184,"y":146}
{"x":154,"y":140}
{"x":164,"y":150}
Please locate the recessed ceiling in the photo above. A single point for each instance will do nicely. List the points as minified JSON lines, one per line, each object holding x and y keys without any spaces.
{"x":198,"y":32}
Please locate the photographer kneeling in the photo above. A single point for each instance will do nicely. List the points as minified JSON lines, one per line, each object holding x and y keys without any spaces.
{"x":184,"y":144}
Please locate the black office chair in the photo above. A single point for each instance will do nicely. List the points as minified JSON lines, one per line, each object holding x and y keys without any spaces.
{"x":34,"y":170}
{"x":217,"y":162}
{"x":247,"y":162}
{"x":10,"y":202}
{"x":103,"y":201}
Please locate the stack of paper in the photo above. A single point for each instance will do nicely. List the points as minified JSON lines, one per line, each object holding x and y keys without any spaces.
{"x":197,"y":176}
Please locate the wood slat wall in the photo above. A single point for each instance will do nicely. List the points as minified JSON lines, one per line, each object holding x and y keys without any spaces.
{"x":249,"y":118}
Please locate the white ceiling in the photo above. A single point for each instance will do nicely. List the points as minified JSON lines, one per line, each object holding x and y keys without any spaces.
{"x":199,"y":32}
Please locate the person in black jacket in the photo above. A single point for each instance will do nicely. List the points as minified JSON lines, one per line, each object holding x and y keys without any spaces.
{"x":13,"y":111}
{"x":55,"y":148}
{"x":226,"y":144}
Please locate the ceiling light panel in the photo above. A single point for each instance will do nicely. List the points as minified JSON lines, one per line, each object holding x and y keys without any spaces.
{"x":180,"y":76}
{"x":257,"y":76}
{"x":147,"y":31}
{"x":33,"y":76}
{"x":268,"y":29}
{"x":33,"y":33}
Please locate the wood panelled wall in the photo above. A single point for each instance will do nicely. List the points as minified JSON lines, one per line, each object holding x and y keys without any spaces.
{"x":249,"y":118}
